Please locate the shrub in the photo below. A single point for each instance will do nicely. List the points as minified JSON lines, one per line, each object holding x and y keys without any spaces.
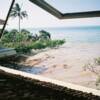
{"x":21,"y":37}
{"x":14,"y":37}
{"x":25,"y":48}
{"x":44,"y":35}
{"x":13,"y":31}
{"x":24,"y":31}
{"x":97,"y":60}
{"x":54,"y":43}
{"x":98,"y":83}
{"x":23,"y":42}
{"x":22,"y":48}
{"x":41,"y":44}
{"x":38,"y":45}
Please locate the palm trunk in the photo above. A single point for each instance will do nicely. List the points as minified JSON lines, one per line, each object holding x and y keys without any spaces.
{"x":19,"y":24}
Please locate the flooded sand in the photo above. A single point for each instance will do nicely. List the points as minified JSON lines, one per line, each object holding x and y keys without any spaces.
{"x":67,"y":62}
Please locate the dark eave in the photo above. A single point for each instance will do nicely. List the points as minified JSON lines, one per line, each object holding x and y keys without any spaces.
{"x":44,"y":5}
{"x":81,"y":14}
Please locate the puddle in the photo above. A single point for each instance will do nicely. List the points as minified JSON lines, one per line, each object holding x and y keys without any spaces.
{"x":33,"y":70}
{"x":28,"y":69}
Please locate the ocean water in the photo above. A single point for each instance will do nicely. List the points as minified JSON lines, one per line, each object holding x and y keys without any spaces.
{"x":73,"y":34}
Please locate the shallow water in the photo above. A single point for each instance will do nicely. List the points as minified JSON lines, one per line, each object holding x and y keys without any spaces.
{"x":28,"y":69}
{"x":33,"y":70}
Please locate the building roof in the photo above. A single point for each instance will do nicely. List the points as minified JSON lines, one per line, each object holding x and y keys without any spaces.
{"x":49,"y":7}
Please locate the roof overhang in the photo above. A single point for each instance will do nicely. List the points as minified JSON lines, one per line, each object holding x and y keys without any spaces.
{"x":47,"y":7}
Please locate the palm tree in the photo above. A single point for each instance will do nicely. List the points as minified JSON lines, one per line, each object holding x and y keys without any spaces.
{"x":17,"y":12}
{"x":44,"y":35}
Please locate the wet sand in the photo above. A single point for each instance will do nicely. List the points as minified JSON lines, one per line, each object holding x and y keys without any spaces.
{"x":67,"y":62}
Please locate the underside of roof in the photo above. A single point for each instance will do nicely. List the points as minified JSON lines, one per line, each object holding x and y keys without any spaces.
{"x":49,"y":8}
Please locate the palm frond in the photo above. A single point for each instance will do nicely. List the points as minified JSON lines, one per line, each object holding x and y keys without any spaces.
{"x":24,"y":14}
{"x":13,"y":14}
{"x":17,"y":7}
{"x":17,"y":12}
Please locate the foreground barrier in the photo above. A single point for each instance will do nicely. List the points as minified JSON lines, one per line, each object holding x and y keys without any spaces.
{"x":46,"y":88}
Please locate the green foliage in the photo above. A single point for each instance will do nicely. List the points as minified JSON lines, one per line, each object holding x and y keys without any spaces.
{"x":22,"y":48}
{"x":44,"y":35}
{"x":14,"y":31}
{"x":91,"y":67}
{"x":25,"y":48}
{"x":47,"y":43}
{"x":9,"y":37}
{"x":17,"y":12}
{"x":35,"y":37}
{"x":5,"y":31}
{"x":23,"y":42}
{"x":21,"y":37}
{"x":38,"y":45}
{"x":98,"y":83}
{"x":97,"y":60}
{"x":24,"y":31}
{"x":14,"y":37}
{"x":54,"y":43}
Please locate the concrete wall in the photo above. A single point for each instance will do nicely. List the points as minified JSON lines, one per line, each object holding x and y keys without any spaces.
{"x":66,"y":91}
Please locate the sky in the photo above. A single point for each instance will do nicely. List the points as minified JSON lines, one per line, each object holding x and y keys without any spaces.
{"x":37,"y":17}
{"x":75,"y":5}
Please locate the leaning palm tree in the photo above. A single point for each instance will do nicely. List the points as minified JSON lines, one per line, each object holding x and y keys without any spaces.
{"x":44,"y":35}
{"x":17,"y":12}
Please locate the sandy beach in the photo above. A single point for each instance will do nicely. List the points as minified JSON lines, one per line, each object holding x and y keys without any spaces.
{"x":67,"y":62}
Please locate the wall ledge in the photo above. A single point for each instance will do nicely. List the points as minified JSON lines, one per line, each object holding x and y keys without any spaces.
{"x":49,"y":82}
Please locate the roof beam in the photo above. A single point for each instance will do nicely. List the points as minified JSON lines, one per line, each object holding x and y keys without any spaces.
{"x":81,"y":15}
{"x":44,"y":5}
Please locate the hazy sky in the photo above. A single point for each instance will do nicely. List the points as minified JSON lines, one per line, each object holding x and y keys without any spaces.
{"x":75,"y":5}
{"x":40,"y":18}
